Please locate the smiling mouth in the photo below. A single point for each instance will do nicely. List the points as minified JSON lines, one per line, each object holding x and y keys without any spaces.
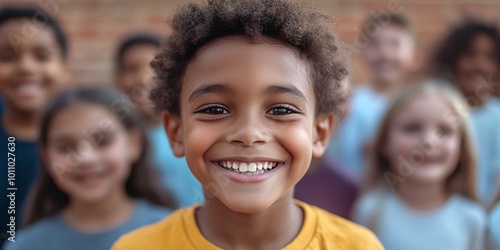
{"x":90,"y":176}
{"x":249,"y":168}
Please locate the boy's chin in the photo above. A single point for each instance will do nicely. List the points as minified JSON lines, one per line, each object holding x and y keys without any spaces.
{"x":248,"y":205}
{"x":26,"y":105}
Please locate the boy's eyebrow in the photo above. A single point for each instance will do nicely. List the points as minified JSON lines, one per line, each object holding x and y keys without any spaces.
{"x":285,"y":89}
{"x":211,"y":88}
{"x":273,"y":89}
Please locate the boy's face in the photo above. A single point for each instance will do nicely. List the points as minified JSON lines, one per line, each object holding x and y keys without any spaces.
{"x":477,"y":66}
{"x":31,"y":65}
{"x":135,"y":77}
{"x":390,"y":55}
{"x":246,"y":106}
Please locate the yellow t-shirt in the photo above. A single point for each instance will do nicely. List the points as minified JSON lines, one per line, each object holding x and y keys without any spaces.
{"x":321,"y":230}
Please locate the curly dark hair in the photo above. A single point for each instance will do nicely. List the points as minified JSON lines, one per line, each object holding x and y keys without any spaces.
{"x":301,"y":28}
{"x":458,"y":43}
{"x":32,"y":14}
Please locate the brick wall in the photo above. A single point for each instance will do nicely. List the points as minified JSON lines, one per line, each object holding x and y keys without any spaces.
{"x":96,"y":26}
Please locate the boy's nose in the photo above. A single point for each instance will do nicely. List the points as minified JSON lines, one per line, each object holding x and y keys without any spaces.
{"x":26,"y":65}
{"x":248,"y":131}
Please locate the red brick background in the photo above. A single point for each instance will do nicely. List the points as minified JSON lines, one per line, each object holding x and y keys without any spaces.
{"x":96,"y":26}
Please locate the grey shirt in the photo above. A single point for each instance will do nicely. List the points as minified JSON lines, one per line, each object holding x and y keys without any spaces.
{"x":55,"y":234}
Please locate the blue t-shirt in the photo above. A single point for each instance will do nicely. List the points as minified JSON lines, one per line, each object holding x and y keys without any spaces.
{"x":485,"y":121}
{"x":26,"y":160}
{"x":54,"y":233}
{"x":174,"y":172}
{"x":357,"y":129}
{"x":494,"y":228}
{"x":460,"y":224}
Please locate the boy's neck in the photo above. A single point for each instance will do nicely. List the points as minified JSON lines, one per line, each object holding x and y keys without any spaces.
{"x":101,"y":215}
{"x":273,"y":228}
{"x":423,"y":196}
{"x":21,"y":125}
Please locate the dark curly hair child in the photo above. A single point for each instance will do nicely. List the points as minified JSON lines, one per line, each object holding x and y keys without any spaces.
{"x":248,"y":89}
{"x":469,"y":58}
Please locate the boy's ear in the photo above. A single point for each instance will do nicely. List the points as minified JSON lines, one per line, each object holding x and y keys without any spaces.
{"x":173,"y":128}
{"x":323,"y":129}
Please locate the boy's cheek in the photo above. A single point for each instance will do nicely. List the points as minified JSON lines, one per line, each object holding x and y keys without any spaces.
{"x":6,"y":71}
{"x":56,"y":75}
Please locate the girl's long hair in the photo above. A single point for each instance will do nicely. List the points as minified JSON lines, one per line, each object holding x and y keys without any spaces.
{"x":463,"y":179}
{"x":47,"y":199}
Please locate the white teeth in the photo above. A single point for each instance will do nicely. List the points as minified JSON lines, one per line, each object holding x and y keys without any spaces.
{"x":243,"y":167}
{"x":252,"y":167}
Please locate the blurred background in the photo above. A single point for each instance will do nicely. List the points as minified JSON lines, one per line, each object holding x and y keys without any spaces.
{"x":95,"y":27}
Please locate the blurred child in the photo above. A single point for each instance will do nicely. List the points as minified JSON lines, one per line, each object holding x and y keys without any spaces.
{"x":134,"y":77}
{"x":424,"y":154}
{"x":470,"y":57}
{"x":327,"y":185}
{"x":33,"y":51}
{"x":250,"y":87}
{"x":390,"y":56}
{"x":95,"y":183}
{"x":494,"y":224}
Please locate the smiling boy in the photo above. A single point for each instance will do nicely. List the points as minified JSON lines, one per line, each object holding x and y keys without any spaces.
{"x":249,"y":88}
{"x":33,"y":67}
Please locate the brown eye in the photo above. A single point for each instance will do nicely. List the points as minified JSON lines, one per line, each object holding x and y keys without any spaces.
{"x":7,"y":56}
{"x":213,"y":110}
{"x":444,"y":131}
{"x":282,"y":110}
{"x":42,"y":56}
{"x":412,"y":128}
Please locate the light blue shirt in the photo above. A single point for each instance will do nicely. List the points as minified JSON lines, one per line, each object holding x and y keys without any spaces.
{"x":485,"y":122}
{"x":357,"y":129}
{"x":54,"y":233}
{"x":459,"y":224}
{"x":174,"y":173}
{"x":494,"y":228}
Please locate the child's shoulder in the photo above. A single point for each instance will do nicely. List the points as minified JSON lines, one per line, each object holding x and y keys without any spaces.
{"x":468,"y":206}
{"x":158,"y":234}
{"x":372,"y":199}
{"x":495,"y":211}
{"x":332,"y":231}
{"x":470,"y":212}
{"x":40,"y":235}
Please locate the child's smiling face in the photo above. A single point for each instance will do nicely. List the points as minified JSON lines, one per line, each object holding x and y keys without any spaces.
{"x":32,"y":70}
{"x":246,"y":106}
